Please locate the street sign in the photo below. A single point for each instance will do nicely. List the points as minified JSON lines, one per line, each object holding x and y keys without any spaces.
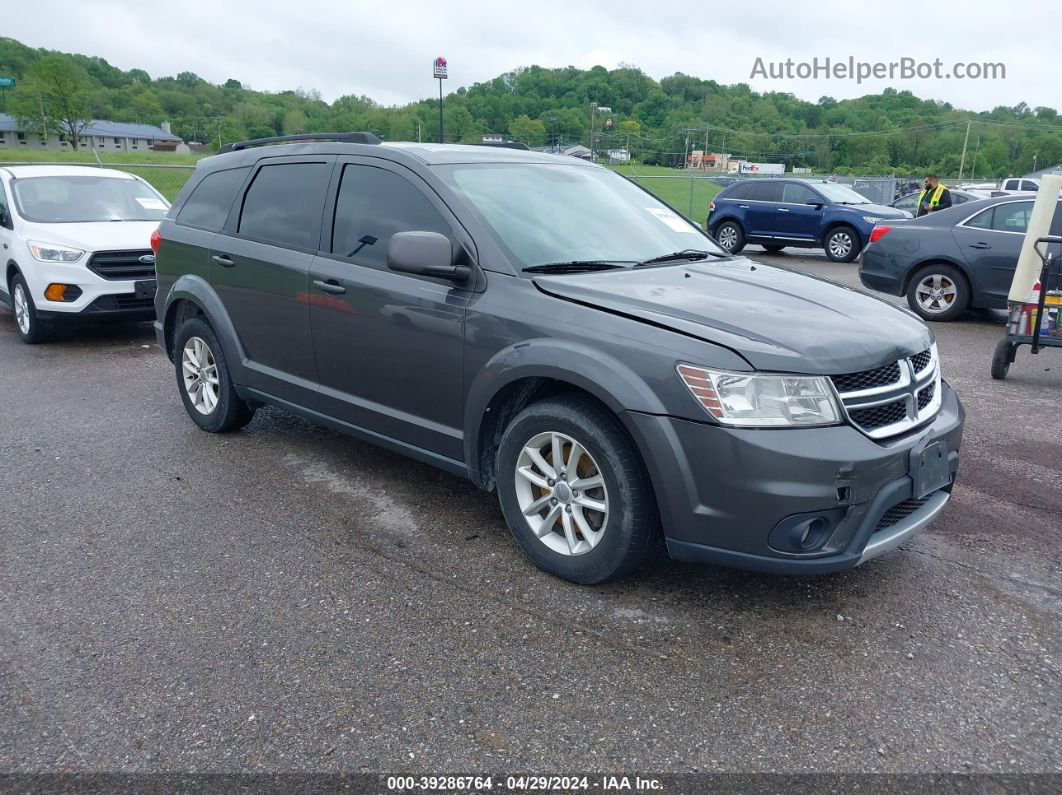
{"x":439,"y":68}
{"x":7,"y":82}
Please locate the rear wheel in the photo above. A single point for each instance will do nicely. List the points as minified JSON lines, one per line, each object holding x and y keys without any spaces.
{"x":938,"y":292}
{"x":730,"y":236}
{"x":1002,"y":359}
{"x":30,"y":327}
{"x":204,"y":382}
{"x":842,"y":244}
{"x":574,"y":492}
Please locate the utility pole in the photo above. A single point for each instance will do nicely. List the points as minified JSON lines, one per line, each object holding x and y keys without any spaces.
{"x":962,"y":160}
{"x":704,"y":155}
{"x":593,"y":112}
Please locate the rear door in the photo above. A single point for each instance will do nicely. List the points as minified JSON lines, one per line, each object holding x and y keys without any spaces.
{"x":991,"y":242}
{"x":389,"y":345}
{"x":260,"y":266}
{"x":764,"y":201}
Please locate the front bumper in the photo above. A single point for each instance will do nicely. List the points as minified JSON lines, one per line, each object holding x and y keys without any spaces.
{"x":726,"y":494}
{"x":100,"y":299}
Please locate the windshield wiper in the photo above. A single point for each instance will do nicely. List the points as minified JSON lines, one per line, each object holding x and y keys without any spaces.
{"x":576,"y":266}
{"x":691,"y":254}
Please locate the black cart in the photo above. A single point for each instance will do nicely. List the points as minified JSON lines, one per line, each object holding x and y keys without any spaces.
{"x":1038,"y":323}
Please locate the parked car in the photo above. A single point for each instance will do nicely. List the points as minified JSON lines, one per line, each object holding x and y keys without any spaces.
{"x":795,"y":212}
{"x":556,"y":334}
{"x":1019,"y":185}
{"x":951,"y":260}
{"x":75,"y":245}
{"x":909,"y":202}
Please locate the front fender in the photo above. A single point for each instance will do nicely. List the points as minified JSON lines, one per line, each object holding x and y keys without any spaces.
{"x":605,"y":377}
{"x":195,"y":289}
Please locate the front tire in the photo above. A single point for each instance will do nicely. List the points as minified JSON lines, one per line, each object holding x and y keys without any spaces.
{"x":592,"y":516}
{"x":730,"y":236}
{"x":31,"y":330}
{"x":842,"y":244}
{"x":204,"y":382}
{"x":938,"y":292}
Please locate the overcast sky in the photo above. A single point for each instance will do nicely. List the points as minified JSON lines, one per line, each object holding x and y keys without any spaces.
{"x":384,"y":49}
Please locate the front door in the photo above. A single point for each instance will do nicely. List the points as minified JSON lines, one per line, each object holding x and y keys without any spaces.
{"x":259,"y":268}
{"x":800,"y":214}
{"x":389,"y":345}
{"x":991,"y":242}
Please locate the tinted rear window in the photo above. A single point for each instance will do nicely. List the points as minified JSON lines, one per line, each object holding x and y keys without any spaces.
{"x":209,"y":204}
{"x":739,"y":191}
{"x":283,"y":204}
{"x":766,"y":192}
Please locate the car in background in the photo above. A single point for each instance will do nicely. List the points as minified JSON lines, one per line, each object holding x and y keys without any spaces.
{"x":1019,"y":185}
{"x":951,"y":260}
{"x":795,"y":212}
{"x":76,"y":246}
{"x":909,"y":202}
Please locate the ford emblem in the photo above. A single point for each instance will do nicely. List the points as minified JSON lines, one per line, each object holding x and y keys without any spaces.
{"x":147,"y":259}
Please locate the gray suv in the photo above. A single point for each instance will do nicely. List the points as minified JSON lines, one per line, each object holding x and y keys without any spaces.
{"x":556,"y":334}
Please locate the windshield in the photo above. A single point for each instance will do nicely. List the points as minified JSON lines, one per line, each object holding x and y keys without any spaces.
{"x":86,"y":198}
{"x":544,"y":213}
{"x":839,"y":193}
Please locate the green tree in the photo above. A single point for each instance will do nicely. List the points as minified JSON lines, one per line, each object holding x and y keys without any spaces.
{"x":54,"y":95}
{"x":527,"y":130}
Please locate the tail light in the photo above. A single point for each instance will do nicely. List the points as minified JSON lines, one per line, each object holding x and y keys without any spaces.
{"x":711,"y":206}
{"x":878,"y":232}
{"x":156,"y":241}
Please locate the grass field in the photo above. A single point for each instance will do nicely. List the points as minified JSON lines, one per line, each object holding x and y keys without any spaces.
{"x":673,"y":186}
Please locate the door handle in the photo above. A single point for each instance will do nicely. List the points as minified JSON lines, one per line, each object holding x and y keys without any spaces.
{"x":980,"y":245}
{"x":782,"y":210}
{"x":743,"y":206}
{"x":224,"y":260}
{"x":330,"y":286}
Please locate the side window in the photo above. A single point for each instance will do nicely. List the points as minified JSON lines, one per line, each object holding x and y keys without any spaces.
{"x":795,"y":193}
{"x":957,"y":198}
{"x":373,"y":204}
{"x":210,"y":201}
{"x":907,"y":202}
{"x":766,"y":192}
{"x":739,"y":191}
{"x":983,"y":220}
{"x":1012,"y":217}
{"x":1026,"y":185}
{"x":283,"y":204}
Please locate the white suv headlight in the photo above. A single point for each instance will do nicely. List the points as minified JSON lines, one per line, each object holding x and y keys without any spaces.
{"x":759,"y":400}
{"x":49,"y":252}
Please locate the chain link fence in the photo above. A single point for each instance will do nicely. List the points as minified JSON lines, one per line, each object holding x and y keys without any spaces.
{"x":166,"y":178}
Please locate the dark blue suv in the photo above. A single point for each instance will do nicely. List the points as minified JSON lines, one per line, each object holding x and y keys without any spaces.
{"x":795,"y":212}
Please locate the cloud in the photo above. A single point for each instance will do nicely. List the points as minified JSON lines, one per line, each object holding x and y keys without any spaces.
{"x":384,"y":50}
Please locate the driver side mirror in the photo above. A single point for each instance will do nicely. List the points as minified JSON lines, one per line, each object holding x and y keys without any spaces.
{"x":816,"y":205}
{"x":425,"y":254}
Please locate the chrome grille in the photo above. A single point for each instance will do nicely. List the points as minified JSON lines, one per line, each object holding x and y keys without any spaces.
{"x":894,"y":398}
{"x":123,"y":265}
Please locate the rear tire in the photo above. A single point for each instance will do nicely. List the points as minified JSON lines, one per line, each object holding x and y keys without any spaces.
{"x":842,"y":244}
{"x":1002,"y":359}
{"x":730,"y":237}
{"x":31,"y":329}
{"x":204,"y":382}
{"x":938,"y":292}
{"x":594,"y":517}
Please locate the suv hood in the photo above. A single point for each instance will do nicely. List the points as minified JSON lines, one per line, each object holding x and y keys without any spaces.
{"x":93,"y":235}
{"x":879,"y":210}
{"x":777,"y":319}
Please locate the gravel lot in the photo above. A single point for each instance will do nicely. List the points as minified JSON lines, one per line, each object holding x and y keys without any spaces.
{"x":290,"y":599}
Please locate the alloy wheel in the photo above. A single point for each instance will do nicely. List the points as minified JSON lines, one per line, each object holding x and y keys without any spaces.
{"x":728,"y":237}
{"x":840,"y":244}
{"x":936,"y":293}
{"x":200,"y":373}
{"x":22,"y":311}
{"x":561,"y":493}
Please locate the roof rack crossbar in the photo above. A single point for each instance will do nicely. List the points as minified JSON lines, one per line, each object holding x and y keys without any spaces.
{"x":345,"y":137}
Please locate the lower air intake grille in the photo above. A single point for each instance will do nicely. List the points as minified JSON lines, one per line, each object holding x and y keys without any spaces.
{"x":897,"y":513}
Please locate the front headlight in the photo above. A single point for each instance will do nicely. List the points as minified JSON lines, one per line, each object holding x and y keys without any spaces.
{"x":872,"y":219}
{"x":759,"y":400}
{"x":47,"y":252}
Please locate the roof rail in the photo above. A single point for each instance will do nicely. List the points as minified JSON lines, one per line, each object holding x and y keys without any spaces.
{"x":504,"y":145}
{"x":346,"y":137}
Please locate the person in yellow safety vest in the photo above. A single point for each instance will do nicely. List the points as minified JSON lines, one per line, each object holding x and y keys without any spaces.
{"x":934,"y":196}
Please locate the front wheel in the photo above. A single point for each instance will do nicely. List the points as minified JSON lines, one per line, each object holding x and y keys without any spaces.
{"x":938,"y":292}
{"x":1002,"y":359}
{"x":204,"y":382}
{"x":30,"y":328}
{"x":574,"y":492}
{"x":842,"y":244}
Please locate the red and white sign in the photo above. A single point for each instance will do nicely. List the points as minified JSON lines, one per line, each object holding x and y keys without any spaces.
{"x":439,"y":68}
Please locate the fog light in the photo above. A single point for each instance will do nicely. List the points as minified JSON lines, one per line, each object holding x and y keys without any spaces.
{"x":805,"y":533}
{"x":62,"y":292}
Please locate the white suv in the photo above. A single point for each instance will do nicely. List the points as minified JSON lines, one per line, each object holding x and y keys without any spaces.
{"x":75,"y":244}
